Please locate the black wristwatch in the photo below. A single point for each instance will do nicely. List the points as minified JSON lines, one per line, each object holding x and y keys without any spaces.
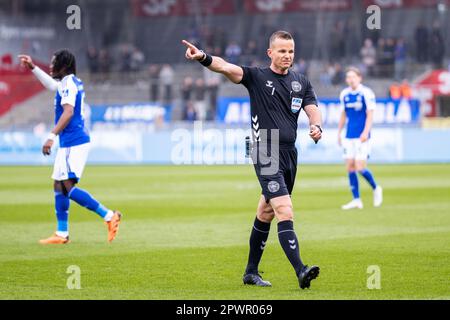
{"x":319,"y":127}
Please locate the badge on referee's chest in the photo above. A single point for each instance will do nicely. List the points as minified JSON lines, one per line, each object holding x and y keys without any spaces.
{"x":296,"y":104}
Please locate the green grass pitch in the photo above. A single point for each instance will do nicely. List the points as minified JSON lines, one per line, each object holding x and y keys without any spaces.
{"x":185,"y":233}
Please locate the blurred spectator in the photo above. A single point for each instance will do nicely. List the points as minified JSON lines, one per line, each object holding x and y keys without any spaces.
{"x":351,"y":41}
{"x":104,"y":63}
{"x":36,"y":47}
{"x":187,"y":87}
{"x":137,"y":59}
{"x":233,"y":52}
{"x":373,"y":35}
{"x":437,"y":47}
{"x":218,"y":51}
{"x":337,"y":47}
{"x":125,"y":58}
{"x":193,"y":36}
{"x":380,"y":57}
{"x":301,"y":66}
{"x":92,"y":60}
{"x":421,"y":39}
{"x":395,"y":91}
{"x":154,"y":82}
{"x":212,"y":81}
{"x":207,"y":36}
{"x":265,"y":31}
{"x":368,"y":56}
{"x":220,"y":40}
{"x":399,"y":92}
{"x":406,"y":90}
{"x":297,"y":40}
{"x":189,"y":112}
{"x":250,"y":52}
{"x":186,"y":90}
{"x":400,"y":59}
{"x":199,"y":99}
{"x":327,"y":74}
{"x":389,"y":56}
{"x":166,"y":77}
{"x":385,"y":58}
{"x":338,"y":76}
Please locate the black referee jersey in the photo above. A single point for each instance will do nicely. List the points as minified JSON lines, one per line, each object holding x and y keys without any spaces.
{"x":276,"y":101}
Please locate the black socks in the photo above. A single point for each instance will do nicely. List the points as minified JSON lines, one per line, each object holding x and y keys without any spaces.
{"x":289,"y":243}
{"x":258,"y":238}
{"x":288,"y":240}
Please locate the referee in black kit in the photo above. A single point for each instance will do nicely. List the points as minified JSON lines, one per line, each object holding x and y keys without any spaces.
{"x":277,"y":95}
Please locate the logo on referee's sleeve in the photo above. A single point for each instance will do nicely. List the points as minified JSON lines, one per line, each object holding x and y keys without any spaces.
{"x":273,"y":186}
{"x":296,"y":86}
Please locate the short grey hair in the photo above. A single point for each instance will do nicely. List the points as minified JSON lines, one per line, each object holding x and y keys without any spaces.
{"x":280,"y":35}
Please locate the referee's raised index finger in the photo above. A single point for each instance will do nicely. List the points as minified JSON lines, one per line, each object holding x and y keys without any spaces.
{"x":188,"y":44}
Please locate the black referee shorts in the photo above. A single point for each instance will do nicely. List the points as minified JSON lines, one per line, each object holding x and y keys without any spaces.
{"x":281,"y":182}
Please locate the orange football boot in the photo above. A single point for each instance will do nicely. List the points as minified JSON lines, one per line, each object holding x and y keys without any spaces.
{"x":55,"y":239}
{"x":113,"y":225}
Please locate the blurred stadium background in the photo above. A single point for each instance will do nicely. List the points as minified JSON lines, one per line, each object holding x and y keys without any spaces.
{"x":140,"y":89}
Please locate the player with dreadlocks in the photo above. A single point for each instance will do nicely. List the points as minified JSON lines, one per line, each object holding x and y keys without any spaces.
{"x":74,"y":143}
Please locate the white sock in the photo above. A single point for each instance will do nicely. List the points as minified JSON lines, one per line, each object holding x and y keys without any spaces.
{"x":109,"y":216}
{"x":63,"y":234}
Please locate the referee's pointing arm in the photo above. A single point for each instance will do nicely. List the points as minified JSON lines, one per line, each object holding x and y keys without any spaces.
{"x":233,"y":72}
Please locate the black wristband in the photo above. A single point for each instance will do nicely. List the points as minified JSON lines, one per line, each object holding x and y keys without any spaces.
{"x":206,"y":61}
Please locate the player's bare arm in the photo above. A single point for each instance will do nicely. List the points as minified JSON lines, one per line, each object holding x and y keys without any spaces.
{"x":315,"y":122}
{"x":60,"y":126}
{"x":341,"y":125}
{"x":233,"y":72}
{"x":368,"y":126}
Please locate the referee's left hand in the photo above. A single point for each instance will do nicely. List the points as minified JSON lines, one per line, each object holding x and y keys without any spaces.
{"x":315,"y":134}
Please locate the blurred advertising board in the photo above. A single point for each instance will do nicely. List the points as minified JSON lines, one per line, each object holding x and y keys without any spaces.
{"x":200,"y":145}
{"x":126,"y":113}
{"x":389,"y":111}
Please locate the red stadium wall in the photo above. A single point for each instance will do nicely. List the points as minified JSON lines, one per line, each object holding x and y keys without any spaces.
{"x":163,"y":8}
{"x":395,"y":4}
{"x":434,"y":84}
{"x":16,"y":86}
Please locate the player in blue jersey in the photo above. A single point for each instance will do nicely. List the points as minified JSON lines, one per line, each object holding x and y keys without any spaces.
{"x":74,"y":143}
{"x":358,"y":105}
